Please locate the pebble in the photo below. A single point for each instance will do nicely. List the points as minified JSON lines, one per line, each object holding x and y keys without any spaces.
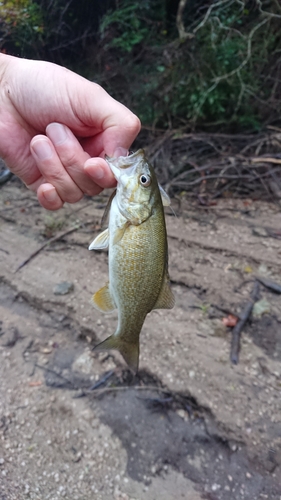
{"x":259,"y":231}
{"x":215,"y":487}
{"x":63,"y":288}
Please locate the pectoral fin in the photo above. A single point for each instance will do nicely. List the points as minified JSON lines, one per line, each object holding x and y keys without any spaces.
{"x":103,"y":300}
{"x":129,"y":351}
{"x":166,"y":299}
{"x":101,"y":241}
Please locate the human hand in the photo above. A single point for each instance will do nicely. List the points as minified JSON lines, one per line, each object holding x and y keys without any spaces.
{"x":55,"y":128}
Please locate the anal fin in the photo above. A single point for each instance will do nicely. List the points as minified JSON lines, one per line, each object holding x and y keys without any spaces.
{"x":103,"y":300}
{"x":166,"y":298}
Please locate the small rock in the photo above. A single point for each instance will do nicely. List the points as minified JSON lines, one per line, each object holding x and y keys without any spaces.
{"x":182,"y":413}
{"x":63,"y":288}
{"x":215,"y":487}
{"x":2,"y":461}
{"x":259,"y":231}
{"x":84,"y":363}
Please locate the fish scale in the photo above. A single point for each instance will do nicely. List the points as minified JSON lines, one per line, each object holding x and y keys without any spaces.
{"x":138,"y":254}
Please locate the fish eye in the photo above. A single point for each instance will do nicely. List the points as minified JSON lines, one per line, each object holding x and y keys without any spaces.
{"x":145,"y":180}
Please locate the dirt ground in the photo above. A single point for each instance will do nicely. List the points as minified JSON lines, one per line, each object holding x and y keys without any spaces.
{"x":75,"y":424}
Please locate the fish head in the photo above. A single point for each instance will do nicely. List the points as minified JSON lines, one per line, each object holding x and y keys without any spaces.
{"x":137,"y":187}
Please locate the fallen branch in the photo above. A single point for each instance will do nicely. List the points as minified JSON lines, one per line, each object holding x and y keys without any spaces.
{"x":244,"y":316}
{"x":271,"y":285}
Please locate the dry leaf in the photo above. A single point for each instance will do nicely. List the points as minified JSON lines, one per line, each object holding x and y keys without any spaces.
{"x":230,"y":320}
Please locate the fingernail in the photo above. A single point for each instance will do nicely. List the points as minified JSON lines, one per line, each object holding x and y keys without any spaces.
{"x":50,"y":195}
{"x":42,"y":149}
{"x":120,"y":152}
{"x":57,"y":133}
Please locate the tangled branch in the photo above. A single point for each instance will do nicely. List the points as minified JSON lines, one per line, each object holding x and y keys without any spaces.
{"x":208,"y":165}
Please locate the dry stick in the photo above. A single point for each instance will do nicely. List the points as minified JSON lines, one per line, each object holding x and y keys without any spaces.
{"x":262,"y":159}
{"x":126,"y":388}
{"x":244,"y":316}
{"x":52,"y":240}
{"x":271,"y":285}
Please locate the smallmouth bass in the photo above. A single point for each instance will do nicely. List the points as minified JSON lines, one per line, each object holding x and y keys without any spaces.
{"x":138,"y":254}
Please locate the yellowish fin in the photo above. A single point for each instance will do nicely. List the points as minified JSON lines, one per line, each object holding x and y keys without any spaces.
{"x":101,"y":241}
{"x":103,"y":301}
{"x":129,"y":350}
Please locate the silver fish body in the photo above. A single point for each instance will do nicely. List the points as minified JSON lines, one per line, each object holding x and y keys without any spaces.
{"x":138,"y":254}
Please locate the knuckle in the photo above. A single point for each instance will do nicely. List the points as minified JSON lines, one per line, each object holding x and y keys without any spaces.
{"x":67,"y":157}
{"x":93,"y":190}
{"x":73,"y":197}
{"x":133,"y":123}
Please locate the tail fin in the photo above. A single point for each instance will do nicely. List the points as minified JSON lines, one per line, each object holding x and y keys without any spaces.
{"x":129,"y":350}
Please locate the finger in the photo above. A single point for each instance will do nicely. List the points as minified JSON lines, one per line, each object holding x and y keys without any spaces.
{"x":48,"y":197}
{"x":98,"y":170}
{"x":116,"y":125}
{"x":72,"y":156}
{"x":53,"y":170}
{"x":116,"y":137}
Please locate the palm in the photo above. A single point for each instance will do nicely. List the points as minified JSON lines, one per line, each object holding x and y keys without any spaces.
{"x":35,"y":94}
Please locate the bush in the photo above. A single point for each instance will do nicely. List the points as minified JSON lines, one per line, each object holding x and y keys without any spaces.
{"x":212,"y":76}
{"x":21,"y":26}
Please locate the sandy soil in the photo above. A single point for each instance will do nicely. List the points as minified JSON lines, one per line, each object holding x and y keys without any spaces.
{"x":75,"y":424}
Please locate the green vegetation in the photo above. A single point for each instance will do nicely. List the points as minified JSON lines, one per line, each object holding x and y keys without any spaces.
{"x":21,"y":25}
{"x":196,"y":65}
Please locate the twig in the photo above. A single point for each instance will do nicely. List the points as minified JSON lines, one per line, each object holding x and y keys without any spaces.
{"x":244,"y":316}
{"x":262,"y":159}
{"x":101,"y":381}
{"x":127,"y":387}
{"x":179,"y":21}
{"x":49,"y":370}
{"x":52,"y":240}
{"x":271,"y":285}
{"x":5,"y":176}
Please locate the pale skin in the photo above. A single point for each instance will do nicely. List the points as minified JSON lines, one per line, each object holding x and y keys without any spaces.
{"x":56,"y":127}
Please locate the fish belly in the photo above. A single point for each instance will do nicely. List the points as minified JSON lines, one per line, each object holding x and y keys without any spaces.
{"x":136,"y":271}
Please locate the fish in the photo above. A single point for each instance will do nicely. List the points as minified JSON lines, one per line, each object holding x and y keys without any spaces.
{"x":136,"y":239}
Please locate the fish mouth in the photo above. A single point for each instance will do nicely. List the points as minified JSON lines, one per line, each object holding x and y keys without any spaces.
{"x":128,"y":163}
